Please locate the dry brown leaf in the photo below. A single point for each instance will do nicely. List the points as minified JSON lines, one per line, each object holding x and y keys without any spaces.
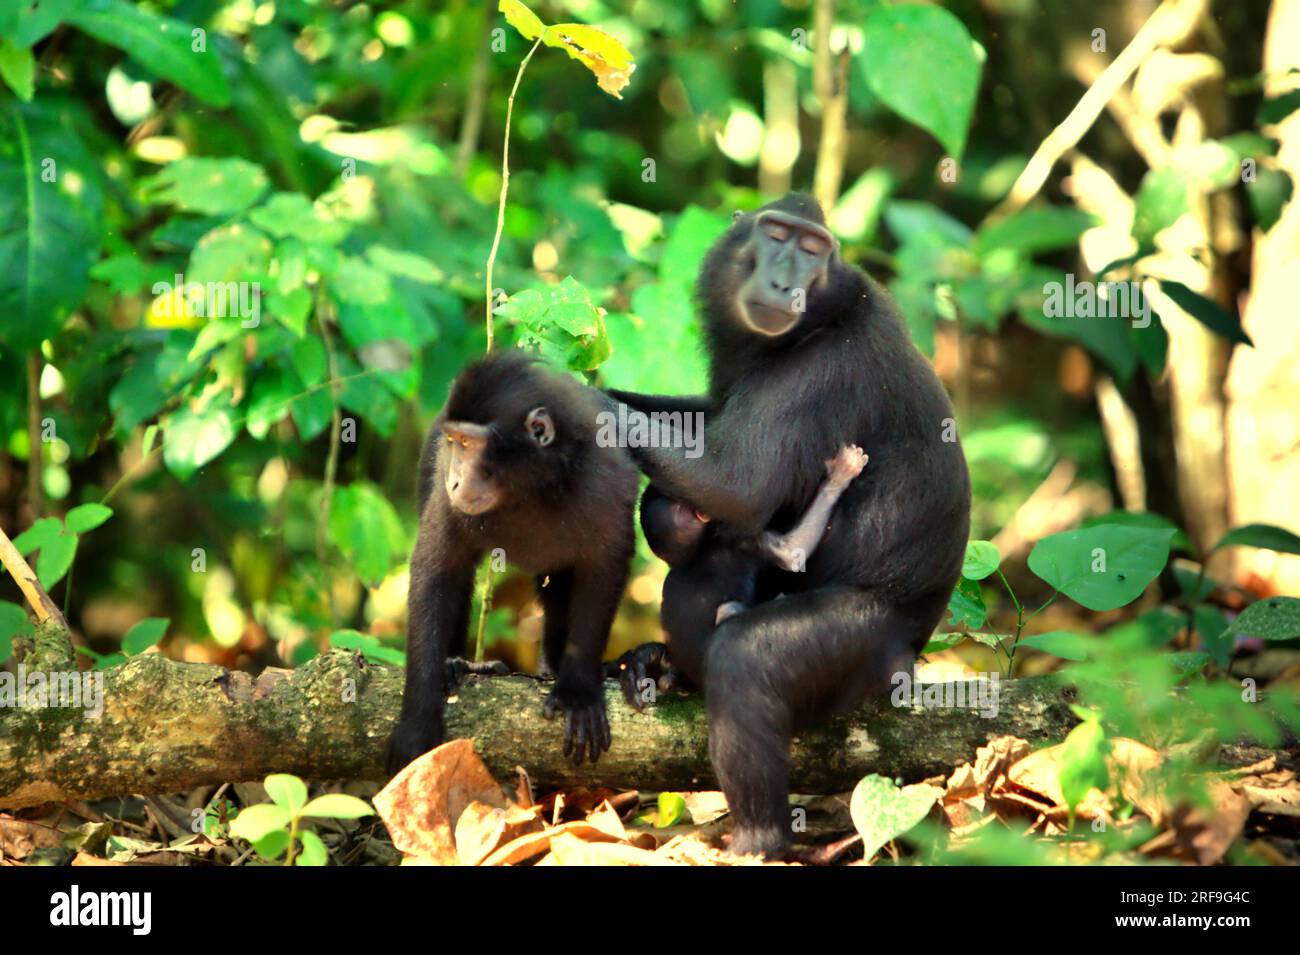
{"x":421,"y":804}
{"x":568,"y":850}
{"x":1275,"y":792}
{"x":1199,"y":836}
{"x":482,"y":828}
{"x":705,"y":806}
{"x":18,"y":837}
{"x":86,"y":859}
{"x":535,"y":843}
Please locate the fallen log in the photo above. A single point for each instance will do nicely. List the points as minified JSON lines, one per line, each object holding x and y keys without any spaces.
{"x":167,"y":726}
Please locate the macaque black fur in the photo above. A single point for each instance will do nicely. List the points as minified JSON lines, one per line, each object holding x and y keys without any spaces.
{"x":805,"y":353}
{"x":512,"y":463}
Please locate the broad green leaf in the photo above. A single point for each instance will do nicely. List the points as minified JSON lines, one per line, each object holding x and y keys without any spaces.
{"x":1268,"y":194}
{"x":38,"y":535}
{"x":144,"y":634}
{"x":1033,"y":230}
{"x":1083,"y":762}
{"x":193,"y":438}
{"x":257,"y":821}
{"x":136,"y":397}
{"x":367,"y":530}
{"x":1278,"y":108}
{"x":368,"y":645}
{"x":1273,"y":618}
{"x":672,"y":809}
{"x":86,"y":517}
{"x":966,"y":605}
{"x":1166,"y":192}
{"x":29,"y":22}
{"x":55,"y":558}
{"x":1216,"y":637}
{"x":562,"y":322}
{"x":18,"y":69}
{"x":882,"y":812}
{"x":337,"y":806}
{"x":1180,"y":540}
{"x":272,"y":846}
{"x":293,"y":214}
{"x":1102,"y":567}
{"x":310,"y":360}
{"x":287,"y":791}
{"x":1206,"y":311}
{"x":312,"y":851}
{"x":981,"y":560}
{"x":50,"y":204}
{"x":1060,"y":643}
{"x":522,"y":19}
{"x":163,"y":46}
{"x":912,"y":220}
{"x":1263,"y":536}
{"x":217,"y":187}
{"x":921,"y":61}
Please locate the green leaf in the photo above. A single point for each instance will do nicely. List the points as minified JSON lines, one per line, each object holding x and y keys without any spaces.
{"x":30,"y":22}
{"x":86,"y":517}
{"x":1268,"y":194}
{"x":272,"y":846}
{"x":966,"y":605}
{"x":921,"y":61}
{"x":193,"y":438}
{"x":1102,"y":567}
{"x":1273,"y":618}
{"x":522,"y":19}
{"x":882,"y":812}
{"x":981,"y":560}
{"x":144,"y":634}
{"x":1263,"y":536}
{"x":55,"y":558}
{"x":943,"y":641}
{"x":1216,"y":637}
{"x":293,"y":214}
{"x":337,"y":806}
{"x":50,"y":204}
{"x":1060,"y":643}
{"x":562,"y":322}
{"x":259,"y":820}
{"x":1180,"y":540}
{"x":1033,"y":230}
{"x":1278,"y":108}
{"x":287,"y":791}
{"x":38,"y":535}
{"x":312,"y":850}
{"x":367,"y":530}
{"x":13,"y":622}
{"x":1083,"y":762}
{"x":163,"y":46}
{"x":136,"y":397}
{"x":672,"y":809}
{"x":18,"y":69}
{"x":1209,"y":313}
{"x":216,"y":187}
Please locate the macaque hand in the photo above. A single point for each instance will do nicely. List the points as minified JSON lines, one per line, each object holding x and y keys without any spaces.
{"x":846,"y":465}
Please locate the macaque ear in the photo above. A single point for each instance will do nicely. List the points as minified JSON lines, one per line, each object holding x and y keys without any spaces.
{"x":541,"y":428}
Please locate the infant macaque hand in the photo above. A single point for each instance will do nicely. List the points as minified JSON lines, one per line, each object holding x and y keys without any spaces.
{"x":846,"y":465}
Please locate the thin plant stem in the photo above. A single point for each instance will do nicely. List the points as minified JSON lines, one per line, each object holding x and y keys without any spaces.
{"x":505,"y":186}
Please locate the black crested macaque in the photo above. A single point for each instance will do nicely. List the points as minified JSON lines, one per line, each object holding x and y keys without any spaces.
{"x":805,"y":353}
{"x":512,"y":463}
{"x":676,"y":533}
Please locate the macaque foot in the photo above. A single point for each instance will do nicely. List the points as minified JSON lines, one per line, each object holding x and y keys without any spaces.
{"x":728,"y":610}
{"x":411,"y":739}
{"x":846,"y":465}
{"x":643,"y":671}
{"x":586,"y":726}
{"x":457,"y":669}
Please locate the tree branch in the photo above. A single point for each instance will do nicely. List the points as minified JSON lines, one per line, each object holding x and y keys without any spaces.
{"x":169,"y":726}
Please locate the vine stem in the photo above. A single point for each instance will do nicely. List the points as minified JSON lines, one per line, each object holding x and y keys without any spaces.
{"x":331,"y":465}
{"x":505,"y":186}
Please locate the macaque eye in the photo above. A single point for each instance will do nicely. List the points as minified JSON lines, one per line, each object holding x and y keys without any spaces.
{"x":540,"y":426}
{"x":777,"y":231}
{"x":736,"y":215}
{"x":813,"y":244}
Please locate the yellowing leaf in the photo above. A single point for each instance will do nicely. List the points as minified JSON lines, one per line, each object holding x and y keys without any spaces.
{"x":522,"y":19}
{"x":171,"y":310}
{"x":600,"y":52}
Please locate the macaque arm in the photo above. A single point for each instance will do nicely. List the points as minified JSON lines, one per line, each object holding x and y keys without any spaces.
{"x":791,"y":550}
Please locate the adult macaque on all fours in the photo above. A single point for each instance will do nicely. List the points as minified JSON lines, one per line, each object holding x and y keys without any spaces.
{"x":512,"y":463}
{"x":805,"y":354}
{"x":676,"y":532}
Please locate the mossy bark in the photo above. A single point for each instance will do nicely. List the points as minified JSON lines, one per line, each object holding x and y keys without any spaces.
{"x":169,"y":726}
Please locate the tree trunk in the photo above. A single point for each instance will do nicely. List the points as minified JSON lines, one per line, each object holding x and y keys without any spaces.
{"x":168,"y":726}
